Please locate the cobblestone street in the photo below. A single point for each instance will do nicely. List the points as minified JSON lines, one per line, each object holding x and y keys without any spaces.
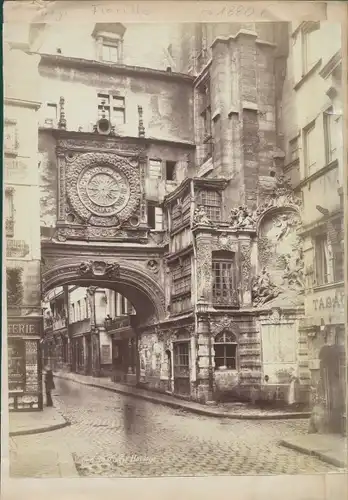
{"x":115,"y":435}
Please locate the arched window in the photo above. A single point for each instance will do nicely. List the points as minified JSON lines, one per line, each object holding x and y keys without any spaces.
{"x":225,"y":347}
{"x":211,"y":201}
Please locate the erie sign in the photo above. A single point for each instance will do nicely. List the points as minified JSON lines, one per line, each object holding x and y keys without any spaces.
{"x":22,"y":327}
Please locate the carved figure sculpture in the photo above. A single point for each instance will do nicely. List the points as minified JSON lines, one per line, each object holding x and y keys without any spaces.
{"x":294,"y":273}
{"x":99,"y":268}
{"x":263,"y":290}
{"x":241,"y":218}
{"x":85,"y":267}
{"x":200,"y":217}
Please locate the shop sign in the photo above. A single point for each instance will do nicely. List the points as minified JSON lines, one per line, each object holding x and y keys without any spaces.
{"x":23,"y":327}
{"x":331,"y":302}
{"x":105,"y":354}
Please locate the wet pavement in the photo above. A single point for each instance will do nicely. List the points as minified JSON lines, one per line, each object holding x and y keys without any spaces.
{"x":116,"y":435}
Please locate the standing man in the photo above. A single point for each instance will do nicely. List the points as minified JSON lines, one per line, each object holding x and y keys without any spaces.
{"x":49,"y":385}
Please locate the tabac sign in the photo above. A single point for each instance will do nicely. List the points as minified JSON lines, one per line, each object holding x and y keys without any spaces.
{"x":24,"y":327}
{"x":328,"y":304}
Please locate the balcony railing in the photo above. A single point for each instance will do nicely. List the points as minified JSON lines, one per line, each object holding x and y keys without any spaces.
{"x":116,"y":323}
{"x":59,"y":323}
{"x":223,"y":298}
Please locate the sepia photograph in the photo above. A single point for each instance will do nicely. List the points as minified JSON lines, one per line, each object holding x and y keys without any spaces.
{"x":174,"y":266}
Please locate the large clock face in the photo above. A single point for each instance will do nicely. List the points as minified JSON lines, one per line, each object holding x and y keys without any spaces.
{"x":103,"y":189}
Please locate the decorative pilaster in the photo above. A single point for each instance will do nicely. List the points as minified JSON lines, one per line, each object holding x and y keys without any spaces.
{"x":245,"y":269}
{"x":62,"y":119}
{"x":141,"y":128}
{"x":61,"y":185}
{"x":204,"y":271}
{"x":142,"y":169}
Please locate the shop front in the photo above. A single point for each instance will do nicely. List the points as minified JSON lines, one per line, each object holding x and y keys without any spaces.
{"x":24,"y":364}
{"x":124,"y":353}
{"x":325,"y":327}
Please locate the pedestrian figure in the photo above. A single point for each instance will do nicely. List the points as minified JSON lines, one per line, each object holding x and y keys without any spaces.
{"x":294,"y":389}
{"x":49,"y":385}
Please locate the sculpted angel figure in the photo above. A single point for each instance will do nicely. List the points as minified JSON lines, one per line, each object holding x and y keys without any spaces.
{"x":200,"y":217}
{"x":241,"y":218}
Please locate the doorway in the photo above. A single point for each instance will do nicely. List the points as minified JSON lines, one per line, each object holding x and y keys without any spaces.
{"x":169,"y":369}
{"x":88,"y":355}
{"x":182,"y":368}
{"x":333,"y":379}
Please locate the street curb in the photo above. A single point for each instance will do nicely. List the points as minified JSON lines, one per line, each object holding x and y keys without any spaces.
{"x":200,"y":411}
{"x":313,"y":453}
{"x":41,"y":430}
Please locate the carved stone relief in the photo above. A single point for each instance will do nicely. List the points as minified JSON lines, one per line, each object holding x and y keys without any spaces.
{"x":282,"y":195}
{"x":263,"y":289}
{"x":99,"y":269}
{"x":280,"y":252}
{"x":204,"y":268}
{"x":201,"y":218}
{"x":226,"y":242}
{"x":153,"y":266}
{"x":245,"y":263}
{"x":242,"y":218}
{"x":217,"y":325}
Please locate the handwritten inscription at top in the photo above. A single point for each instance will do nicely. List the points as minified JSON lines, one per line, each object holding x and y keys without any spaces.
{"x":228,"y":11}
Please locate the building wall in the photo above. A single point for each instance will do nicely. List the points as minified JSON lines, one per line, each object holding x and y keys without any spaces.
{"x":21,"y":214}
{"x":142,"y":45}
{"x":316,"y":166}
{"x":166,"y":102}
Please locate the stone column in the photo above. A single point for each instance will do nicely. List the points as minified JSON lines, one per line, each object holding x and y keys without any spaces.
{"x":94,"y":332}
{"x":134,"y":325}
{"x":245,"y":269}
{"x":84,"y":354}
{"x":95,"y":344}
{"x":204,"y":360}
{"x":91,"y":300}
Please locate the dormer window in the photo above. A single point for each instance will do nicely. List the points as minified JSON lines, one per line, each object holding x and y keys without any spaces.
{"x":110,"y":51}
{"x":109,"y":41}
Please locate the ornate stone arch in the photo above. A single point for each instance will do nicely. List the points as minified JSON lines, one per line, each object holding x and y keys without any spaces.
{"x":122,"y":275}
{"x":275,"y":210}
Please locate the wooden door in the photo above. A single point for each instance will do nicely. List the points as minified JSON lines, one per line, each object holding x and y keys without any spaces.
{"x":182,"y":368}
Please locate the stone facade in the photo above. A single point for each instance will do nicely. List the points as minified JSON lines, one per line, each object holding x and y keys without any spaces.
{"x":170,"y":186}
{"x":313,"y":135}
